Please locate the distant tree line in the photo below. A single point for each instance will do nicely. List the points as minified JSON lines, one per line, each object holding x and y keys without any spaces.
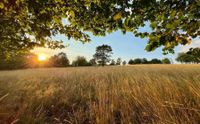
{"x":102,"y":57}
{"x":152,"y":61}
{"x":20,"y":61}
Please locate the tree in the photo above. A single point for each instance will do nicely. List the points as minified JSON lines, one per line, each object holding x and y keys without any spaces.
{"x":20,"y":61}
{"x":144,"y":61}
{"x":103,"y":54}
{"x":195,"y":52}
{"x":80,"y":61}
{"x":191,"y":56}
{"x":124,"y":62}
{"x":119,"y":61}
{"x":130,"y":62}
{"x":155,"y":61}
{"x":112,"y":62}
{"x":25,"y":24}
{"x":185,"y":58}
{"x":166,"y":61}
{"x":59,"y":60}
{"x":137,"y":61}
{"x":92,"y":62}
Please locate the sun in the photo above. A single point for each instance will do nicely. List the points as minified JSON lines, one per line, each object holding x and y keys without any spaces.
{"x":42,"y":57}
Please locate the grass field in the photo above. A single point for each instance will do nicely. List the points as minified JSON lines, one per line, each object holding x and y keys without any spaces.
{"x":143,"y":94}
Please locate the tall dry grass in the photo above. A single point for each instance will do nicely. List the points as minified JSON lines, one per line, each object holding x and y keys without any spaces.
{"x":146,"y":94}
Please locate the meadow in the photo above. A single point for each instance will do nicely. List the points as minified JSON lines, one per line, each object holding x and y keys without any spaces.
{"x":139,"y":94}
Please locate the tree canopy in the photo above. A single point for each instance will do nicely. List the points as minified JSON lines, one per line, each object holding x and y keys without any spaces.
{"x":166,"y":61}
{"x":25,"y":24}
{"x":185,"y":58}
{"x":103,"y":54}
{"x":59,"y":60}
{"x":195,"y":52}
{"x":191,"y":56}
{"x":80,"y":61}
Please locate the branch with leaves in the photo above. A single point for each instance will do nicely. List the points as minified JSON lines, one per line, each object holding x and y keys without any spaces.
{"x":172,"y":22}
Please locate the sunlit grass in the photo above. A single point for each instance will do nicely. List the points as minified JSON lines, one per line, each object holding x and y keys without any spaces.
{"x":160,"y":94}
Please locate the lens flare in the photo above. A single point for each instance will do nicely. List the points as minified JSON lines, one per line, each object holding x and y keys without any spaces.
{"x":42,"y":57}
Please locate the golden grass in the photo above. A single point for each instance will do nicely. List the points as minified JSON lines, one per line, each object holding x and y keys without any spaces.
{"x":143,"y":94}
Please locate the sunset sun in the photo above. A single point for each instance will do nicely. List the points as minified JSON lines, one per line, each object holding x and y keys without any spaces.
{"x":42,"y":57}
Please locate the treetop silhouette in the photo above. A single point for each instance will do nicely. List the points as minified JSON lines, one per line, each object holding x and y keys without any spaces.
{"x":25,"y":24}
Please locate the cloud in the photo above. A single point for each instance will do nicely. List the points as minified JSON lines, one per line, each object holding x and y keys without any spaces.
{"x":195,"y":43}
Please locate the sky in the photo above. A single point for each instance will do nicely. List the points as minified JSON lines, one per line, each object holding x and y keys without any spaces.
{"x":124,"y":46}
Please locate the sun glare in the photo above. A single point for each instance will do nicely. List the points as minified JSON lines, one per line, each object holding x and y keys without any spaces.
{"x":42,"y":57}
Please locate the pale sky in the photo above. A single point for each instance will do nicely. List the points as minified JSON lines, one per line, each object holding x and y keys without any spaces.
{"x":124,"y":46}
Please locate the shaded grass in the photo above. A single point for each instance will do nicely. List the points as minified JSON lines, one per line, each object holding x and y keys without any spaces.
{"x":133,"y":94}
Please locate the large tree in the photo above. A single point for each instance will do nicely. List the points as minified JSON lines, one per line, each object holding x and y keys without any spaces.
{"x":80,"y":61}
{"x":144,"y":61}
{"x":166,"y":61}
{"x":103,"y":54}
{"x":195,"y":52}
{"x":131,"y":61}
{"x":137,"y":61}
{"x":191,"y":56}
{"x":25,"y":24}
{"x":59,"y":60}
{"x":155,"y":61}
{"x":185,"y":58}
{"x":92,"y":62}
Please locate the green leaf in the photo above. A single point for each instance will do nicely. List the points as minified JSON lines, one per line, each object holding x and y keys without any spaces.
{"x":117,"y":16}
{"x":72,"y":14}
{"x":169,"y":26}
{"x":153,"y":25}
{"x":1,"y":5}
